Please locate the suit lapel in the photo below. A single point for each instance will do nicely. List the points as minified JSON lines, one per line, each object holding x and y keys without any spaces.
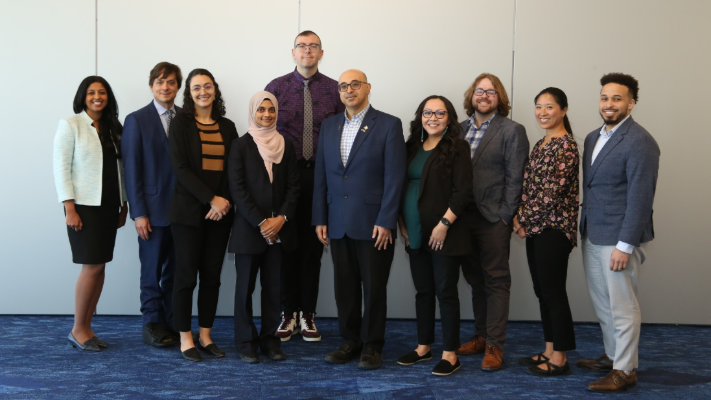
{"x":260,"y":161}
{"x":616,"y":138}
{"x":365,"y":128}
{"x":426,"y":169}
{"x":195,"y":143}
{"x":491,"y":131}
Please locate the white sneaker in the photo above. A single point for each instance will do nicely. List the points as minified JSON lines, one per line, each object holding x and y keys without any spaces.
{"x":308,"y":328}
{"x":287,"y":327}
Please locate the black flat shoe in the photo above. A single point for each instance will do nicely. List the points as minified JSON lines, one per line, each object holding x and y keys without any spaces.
{"x":343,"y":354}
{"x":211,"y":349}
{"x":192,"y":354}
{"x":528,"y":361}
{"x":444,"y":368}
{"x":249,"y":356}
{"x":275,"y":354}
{"x":551,"y":370}
{"x":413,"y":358}
{"x":88,"y":346}
{"x":370,"y":359}
{"x":157,"y":335}
{"x":99,"y":342}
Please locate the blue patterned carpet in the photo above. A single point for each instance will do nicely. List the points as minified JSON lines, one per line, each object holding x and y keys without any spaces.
{"x":37,"y":364}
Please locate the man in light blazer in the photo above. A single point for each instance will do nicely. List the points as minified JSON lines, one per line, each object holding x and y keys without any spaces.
{"x":620,"y":168}
{"x":358,"y":179}
{"x":149,"y":185}
{"x":499,"y":152}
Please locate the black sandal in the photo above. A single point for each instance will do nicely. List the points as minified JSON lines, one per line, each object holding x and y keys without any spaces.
{"x":552,"y":370}
{"x":528,"y":361}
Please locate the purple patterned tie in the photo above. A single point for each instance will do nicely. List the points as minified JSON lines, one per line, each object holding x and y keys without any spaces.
{"x":308,"y":140}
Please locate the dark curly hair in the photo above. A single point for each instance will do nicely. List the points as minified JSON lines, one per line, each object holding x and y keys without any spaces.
{"x":218,"y":105}
{"x":448,"y":155}
{"x":109,"y":122}
{"x":624,"y":80}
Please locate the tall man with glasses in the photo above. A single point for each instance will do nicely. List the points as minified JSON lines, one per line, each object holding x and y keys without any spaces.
{"x":306,"y":97}
{"x":360,"y":172}
{"x":499,"y":151}
{"x":149,"y":185}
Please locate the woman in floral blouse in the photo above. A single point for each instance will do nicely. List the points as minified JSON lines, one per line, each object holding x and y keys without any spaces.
{"x":548,"y":218}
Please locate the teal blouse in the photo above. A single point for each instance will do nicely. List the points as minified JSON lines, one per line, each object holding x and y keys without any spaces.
{"x":410,"y":213}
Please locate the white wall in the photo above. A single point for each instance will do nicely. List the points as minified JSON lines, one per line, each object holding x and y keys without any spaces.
{"x":409,"y":49}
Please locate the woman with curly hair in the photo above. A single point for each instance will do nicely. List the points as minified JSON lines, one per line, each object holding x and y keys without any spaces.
{"x":548,"y":218}
{"x":88,"y":174}
{"x":439,"y":189}
{"x":200,"y":138}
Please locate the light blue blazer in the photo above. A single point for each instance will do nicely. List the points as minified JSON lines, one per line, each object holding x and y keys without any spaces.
{"x":78,"y":159}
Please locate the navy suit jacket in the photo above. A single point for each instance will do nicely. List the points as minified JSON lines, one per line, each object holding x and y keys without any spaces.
{"x":146,"y":158}
{"x":618,"y":189}
{"x":351,"y":200}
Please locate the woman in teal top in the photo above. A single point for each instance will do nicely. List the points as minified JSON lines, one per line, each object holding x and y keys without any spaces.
{"x":439,"y":189}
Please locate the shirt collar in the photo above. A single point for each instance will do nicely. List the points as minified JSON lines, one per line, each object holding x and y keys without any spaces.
{"x":161,"y":109}
{"x":358,"y":117}
{"x":299,"y":78}
{"x":472,"y":121}
{"x":606,"y":134}
{"x":86,"y":118}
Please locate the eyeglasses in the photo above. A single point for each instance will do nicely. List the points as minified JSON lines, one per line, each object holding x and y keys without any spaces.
{"x":312,"y":46}
{"x":439,"y":114}
{"x":480,"y":92}
{"x":355,"y":85}
{"x":197,"y":89}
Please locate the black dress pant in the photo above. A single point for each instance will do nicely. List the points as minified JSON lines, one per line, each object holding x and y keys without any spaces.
{"x":547,"y":254}
{"x":486,"y":269}
{"x":437,"y":276}
{"x":198,"y":250}
{"x":268,"y":265}
{"x":302,"y":269}
{"x":357,"y":262}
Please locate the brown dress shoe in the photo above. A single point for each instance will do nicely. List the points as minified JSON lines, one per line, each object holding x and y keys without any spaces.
{"x":493,"y":359}
{"x":602,"y":363}
{"x":474,"y":346}
{"x":615,"y":381}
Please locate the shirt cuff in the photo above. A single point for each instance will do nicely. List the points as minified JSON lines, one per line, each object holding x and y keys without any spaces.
{"x":624,"y":247}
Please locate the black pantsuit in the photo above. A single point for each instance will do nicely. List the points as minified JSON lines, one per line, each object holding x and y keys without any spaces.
{"x":547,"y":254}
{"x":487,"y":271}
{"x":357,"y":261}
{"x":199,"y":250}
{"x":302,"y":269}
{"x":424,"y":265}
{"x":268,"y":265}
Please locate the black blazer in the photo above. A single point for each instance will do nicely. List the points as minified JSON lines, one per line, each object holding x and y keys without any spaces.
{"x":437,"y":194}
{"x":191,"y":193}
{"x":256,"y":198}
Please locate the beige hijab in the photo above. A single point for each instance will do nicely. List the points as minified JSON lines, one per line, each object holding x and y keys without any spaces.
{"x":269,"y":142}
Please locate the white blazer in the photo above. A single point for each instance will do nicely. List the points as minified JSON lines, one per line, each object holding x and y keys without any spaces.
{"x":78,"y":160}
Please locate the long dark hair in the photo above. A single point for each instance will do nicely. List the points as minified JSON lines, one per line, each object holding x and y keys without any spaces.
{"x":218,"y":105}
{"x":109,"y":125}
{"x":561,"y":99}
{"x":448,"y":155}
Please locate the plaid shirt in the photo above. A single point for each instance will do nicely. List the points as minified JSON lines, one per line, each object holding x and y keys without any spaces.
{"x":350,"y":130}
{"x":475,"y":134}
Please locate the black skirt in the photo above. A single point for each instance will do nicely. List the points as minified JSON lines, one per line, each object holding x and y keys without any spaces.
{"x":94,"y":243}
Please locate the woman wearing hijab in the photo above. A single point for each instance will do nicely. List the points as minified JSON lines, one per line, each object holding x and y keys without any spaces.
{"x":264,"y":184}
{"x":200,"y":219}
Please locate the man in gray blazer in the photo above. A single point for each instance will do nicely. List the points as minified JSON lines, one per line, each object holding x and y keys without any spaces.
{"x":620,"y":167}
{"x":499,"y":151}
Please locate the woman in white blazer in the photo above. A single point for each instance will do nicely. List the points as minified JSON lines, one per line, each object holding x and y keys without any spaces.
{"x":88,"y":175}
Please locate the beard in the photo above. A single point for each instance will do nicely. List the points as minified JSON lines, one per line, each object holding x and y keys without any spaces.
{"x":615,"y":119}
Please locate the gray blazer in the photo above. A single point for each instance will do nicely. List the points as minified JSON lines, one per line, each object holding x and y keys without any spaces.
{"x":618,"y":190}
{"x":497,"y":168}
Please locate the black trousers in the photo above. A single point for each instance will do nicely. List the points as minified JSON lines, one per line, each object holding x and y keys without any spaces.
{"x":268,"y":265}
{"x":487,"y":271}
{"x":547,"y":254}
{"x":199,"y":250}
{"x":157,"y":256}
{"x":436,"y":276}
{"x":302,"y":269}
{"x":357,"y":262}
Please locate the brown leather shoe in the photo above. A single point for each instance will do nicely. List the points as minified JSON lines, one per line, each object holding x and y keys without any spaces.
{"x":602,"y":363}
{"x":474,"y":346}
{"x":493,"y":359}
{"x":615,"y":381}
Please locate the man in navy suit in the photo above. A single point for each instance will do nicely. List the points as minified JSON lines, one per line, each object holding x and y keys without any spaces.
{"x":358,"y":179}
{"x":620,"y":168}
{"x":149,"y":185}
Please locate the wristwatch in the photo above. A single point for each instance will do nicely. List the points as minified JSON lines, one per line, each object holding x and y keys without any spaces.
{"x":445,"y":222}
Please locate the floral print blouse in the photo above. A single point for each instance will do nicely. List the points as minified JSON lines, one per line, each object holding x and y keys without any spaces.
{"x":550,"y":188}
